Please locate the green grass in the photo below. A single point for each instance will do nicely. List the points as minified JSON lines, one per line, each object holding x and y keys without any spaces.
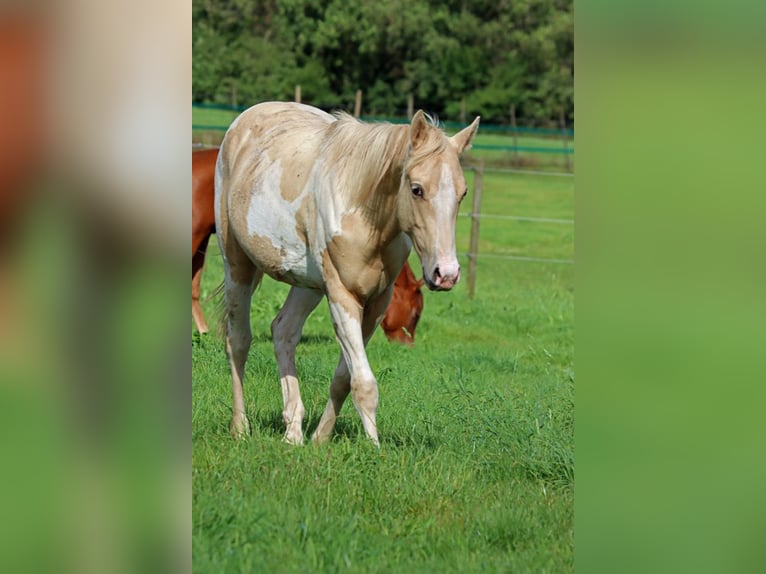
{"x":476,"y":467}
{"x":526,"y":196}
{"x":212,"y":117}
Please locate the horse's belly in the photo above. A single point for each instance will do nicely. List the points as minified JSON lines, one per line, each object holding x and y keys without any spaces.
{"x":276,"y":243}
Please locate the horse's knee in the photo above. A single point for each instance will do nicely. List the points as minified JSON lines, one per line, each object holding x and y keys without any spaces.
{"x":365,"y":392}
{"x":238,"y":343}
{"x":285,"y":333}
{"x":277,"y":328}
{"x":340,"y":384}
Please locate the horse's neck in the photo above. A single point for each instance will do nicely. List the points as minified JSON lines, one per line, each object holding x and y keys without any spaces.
{"x":374,"y":193}
{"x":381,"y":206}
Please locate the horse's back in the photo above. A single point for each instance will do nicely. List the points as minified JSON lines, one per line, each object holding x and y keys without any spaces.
{"x":283,"y":132}
{"x":265,"y":180}
{"x":274,"y":128}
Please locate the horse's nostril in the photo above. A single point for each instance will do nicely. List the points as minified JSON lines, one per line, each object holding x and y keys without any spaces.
{"x":436,"y":273}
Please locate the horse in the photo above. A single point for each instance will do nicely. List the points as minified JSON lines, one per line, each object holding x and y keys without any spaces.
{"x":405,"y":308}
{"x":203,"y":222}
{"x":24,"y":77}
{"x":402,"y":314}
{"x":332,"y":206}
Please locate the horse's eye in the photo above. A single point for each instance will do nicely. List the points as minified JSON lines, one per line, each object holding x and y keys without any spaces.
{"x":417,"y":190}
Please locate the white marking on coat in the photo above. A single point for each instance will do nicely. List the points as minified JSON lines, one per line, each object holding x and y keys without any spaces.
{"x":271,"y":215}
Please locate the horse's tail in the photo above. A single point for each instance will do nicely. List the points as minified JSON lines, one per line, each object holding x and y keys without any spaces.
{"x":219,"y":295}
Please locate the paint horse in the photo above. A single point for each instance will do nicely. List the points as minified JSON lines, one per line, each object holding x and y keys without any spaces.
{"x":402,"y":314}
{"x":405,"y":308}
{"x":331,"y":206}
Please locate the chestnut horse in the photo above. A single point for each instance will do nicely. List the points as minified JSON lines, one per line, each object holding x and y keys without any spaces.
{"x":402,"y":314}
{"x":405,"y":308}
{"x":331,"y":206}
{"x":203,"y":222}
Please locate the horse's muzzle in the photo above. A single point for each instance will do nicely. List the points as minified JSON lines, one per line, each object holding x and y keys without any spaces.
{"x":442,"y":282}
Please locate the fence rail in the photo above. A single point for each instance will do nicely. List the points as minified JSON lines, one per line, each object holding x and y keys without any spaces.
{"x":518,"y":218}
{"x":394,"y":120}
{"x":562,"y":133}
{"x":516,"y":257}
{"x":517,"y":148}
{"x":488,"y":147}
{"x":476,"y":215}
{"x":525,"y":171}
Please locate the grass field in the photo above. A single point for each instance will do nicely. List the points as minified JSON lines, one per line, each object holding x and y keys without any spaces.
{"x":476,"y":467}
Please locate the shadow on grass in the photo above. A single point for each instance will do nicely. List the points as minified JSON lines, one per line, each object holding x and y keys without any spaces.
{"x":271,"y":423}
{"x":412,"y":440}
{"x":263,"y":337}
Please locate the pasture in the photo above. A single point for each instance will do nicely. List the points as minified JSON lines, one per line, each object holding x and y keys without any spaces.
{"x":476,"y":467}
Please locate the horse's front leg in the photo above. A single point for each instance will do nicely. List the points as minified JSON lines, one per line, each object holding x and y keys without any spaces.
{"x":354,"y":325}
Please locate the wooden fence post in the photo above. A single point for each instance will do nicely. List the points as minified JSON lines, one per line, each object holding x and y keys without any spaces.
{"x":513,"y":131}
{"x":462,"y":110}
{"x":298,"y":93}
{"x":473,"y":250}
{"x":410,"y":106}
{"x":565,"y":140}
{"x":358,"y":104}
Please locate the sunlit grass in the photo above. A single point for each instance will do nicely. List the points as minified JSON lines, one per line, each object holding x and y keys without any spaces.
{"x":476,"y":467}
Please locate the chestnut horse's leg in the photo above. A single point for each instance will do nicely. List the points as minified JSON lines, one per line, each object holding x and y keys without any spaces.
{"x":198,"y":262}
{"x":286,"y":331}
{"x":359,"y":379}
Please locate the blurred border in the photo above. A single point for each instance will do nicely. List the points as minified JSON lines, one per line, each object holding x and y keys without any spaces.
{"x":669,"y":287}
{"x":93,"y":341}
{"x":94,"y":360}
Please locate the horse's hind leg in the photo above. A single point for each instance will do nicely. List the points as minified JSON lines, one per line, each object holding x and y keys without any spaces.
{"x":286,"y":331}
{"x":241,"y":278}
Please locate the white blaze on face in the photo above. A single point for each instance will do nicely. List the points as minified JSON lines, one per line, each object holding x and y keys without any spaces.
{"x":445,"y":207}
{"x":271,"y":215}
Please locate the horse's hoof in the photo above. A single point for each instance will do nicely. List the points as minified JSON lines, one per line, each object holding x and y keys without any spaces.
{"x":295,"y":439}
{"x":318,"y":438}
{"x":239,"y":427}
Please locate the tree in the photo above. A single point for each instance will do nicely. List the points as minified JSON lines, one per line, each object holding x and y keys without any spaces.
{"x":491,"y":53}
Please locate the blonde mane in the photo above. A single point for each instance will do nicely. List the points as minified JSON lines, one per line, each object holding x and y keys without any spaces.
{"x":363,"y":154}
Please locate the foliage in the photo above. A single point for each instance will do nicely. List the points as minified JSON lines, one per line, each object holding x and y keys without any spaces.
{"x":490,"y":54}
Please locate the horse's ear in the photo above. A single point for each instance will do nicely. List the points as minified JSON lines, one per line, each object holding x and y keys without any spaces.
{"x":418,"y":129}
{"x":462,"y":139}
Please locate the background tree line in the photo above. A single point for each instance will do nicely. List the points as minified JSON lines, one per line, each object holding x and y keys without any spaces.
{"x":491,"y":53}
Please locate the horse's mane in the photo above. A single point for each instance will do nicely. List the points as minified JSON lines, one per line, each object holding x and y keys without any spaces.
{"x":362,"y":154}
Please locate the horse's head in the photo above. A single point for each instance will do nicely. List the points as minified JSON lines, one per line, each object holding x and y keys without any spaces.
{"x":432,"y":188}
{"x":405,"y":308}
